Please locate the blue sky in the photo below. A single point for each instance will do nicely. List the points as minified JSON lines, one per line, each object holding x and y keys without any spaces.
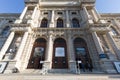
{"x":102,"y":6}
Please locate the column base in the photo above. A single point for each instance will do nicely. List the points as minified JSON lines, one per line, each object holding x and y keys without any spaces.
{"x":47,"y":65}
{"x":72,"y":66}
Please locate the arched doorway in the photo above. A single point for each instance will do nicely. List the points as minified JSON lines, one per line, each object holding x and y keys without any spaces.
{"x":38,"y":54}
{"x":59,"y":60}
{"x":82,"y":56}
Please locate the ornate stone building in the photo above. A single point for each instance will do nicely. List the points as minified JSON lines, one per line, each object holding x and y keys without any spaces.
{"x":59,"y":36}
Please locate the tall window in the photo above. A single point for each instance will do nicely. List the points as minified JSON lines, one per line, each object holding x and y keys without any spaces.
{"x":75,"y":23}
{"x":59,"y":23}
{"x":44,"y":23}
{"x":5,"y":31}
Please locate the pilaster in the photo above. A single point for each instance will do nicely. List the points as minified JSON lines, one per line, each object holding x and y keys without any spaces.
{"x":97,"y":43}
{"x":34,"y":12}
{"x":71,"y":55}
{"x":68,"y":20}
{"x":23,"y":13}
{"x":114,"y":45}
{"x":6,"y":45}
{"x":86,"y":15}
{"x":52,"y":19}
{"x":20,"y":50}
{"x":49,"y":51}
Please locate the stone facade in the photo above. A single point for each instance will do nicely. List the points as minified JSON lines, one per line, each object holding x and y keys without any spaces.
{"x":73,"y":26}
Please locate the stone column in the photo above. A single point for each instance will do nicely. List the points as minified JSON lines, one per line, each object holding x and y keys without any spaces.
{"x":71,"y":55}
{"x":117,"y":23}
{"x":97,"y":43}
{"x":35,"y":10}
{"x":68,"y":20}
{"x":87,"y":16}
{"x":94,"y":15}
{"x":23,"y":13}
{"x":95,"y":10}
{"x":6,"y":45}
{"x":86,"y":12}
{"x":20,"y":50}
{"x":114,"y":46}
{"x":49,"y":53}
{"x":52,"y":19}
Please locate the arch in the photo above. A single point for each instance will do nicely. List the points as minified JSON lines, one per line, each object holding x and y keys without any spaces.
{"x":75,"y":23}
{"x":59,"y":60}
{"x":81,"y":53}
{"x":60,"y":23}
{"x":37,"y":54}
{"x":44,"y":23}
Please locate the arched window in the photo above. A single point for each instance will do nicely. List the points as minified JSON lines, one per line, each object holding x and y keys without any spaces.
{"x":75,"y":23}
{"x":44,"y":23}
{"x":114,"y":32}
{"x":59,"y":23}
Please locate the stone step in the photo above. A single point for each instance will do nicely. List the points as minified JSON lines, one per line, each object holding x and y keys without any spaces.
{"x":59,"y":71}
{"x":59,"y":77}
{"x":31,"y":71}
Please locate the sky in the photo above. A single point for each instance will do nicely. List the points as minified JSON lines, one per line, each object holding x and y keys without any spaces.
{"x":17,"y":6}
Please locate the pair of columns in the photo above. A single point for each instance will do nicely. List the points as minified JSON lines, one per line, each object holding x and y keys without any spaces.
{"x":99,"y":45}
{"x":8,"y":43}
{"x":93,"y":16}
{"x":24,"y":12}
{"x":53,"y":18}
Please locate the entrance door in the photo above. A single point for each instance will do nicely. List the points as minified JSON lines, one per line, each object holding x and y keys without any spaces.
{"x":38,"y":54}
{"x":81,"y":53}
{"x":59,"y":60}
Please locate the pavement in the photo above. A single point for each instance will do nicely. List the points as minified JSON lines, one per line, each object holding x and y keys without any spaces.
{"x":18,"y":76}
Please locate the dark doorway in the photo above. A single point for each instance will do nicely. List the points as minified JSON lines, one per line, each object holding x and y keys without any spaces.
{"x":38,"y":54}
{"x":82,"y":54}
{"x":59,"y":60}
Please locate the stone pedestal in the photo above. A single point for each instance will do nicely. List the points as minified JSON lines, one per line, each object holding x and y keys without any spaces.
{"x":47,"y":65}
{"x":72,"y":66}
{"x":9,"y":56}
{"x":10,"y":67}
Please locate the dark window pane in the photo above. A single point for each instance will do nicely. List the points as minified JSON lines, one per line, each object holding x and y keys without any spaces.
{"x":75,"y":23}
{"x":44,"y":23}
{"x":59,"y":23}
